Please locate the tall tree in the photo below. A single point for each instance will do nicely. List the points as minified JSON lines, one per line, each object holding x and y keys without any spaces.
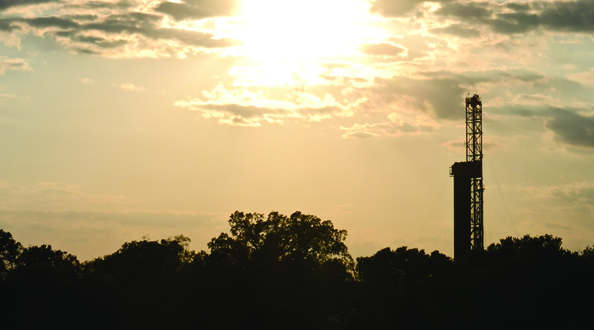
{"x":9,"y":253}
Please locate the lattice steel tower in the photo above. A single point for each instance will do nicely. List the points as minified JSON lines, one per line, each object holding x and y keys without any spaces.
{"x":468,"y":184}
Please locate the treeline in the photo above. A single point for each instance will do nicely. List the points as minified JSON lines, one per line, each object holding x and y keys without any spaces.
{"x":294,"y":272}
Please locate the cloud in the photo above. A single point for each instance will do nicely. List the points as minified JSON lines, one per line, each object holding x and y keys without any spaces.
{"x":576,"y":192}
{"x":198,"y":9}
{"x":87,"y":81}
{"x":14,"y":64}
{"x":391,"y":8}
{"x":89,"y":224}
{"x":5,"y":4}
{"x":503,"y":18}
{"x":572,"y":128}
{"x":129,"y":87}
{"x":468,"y":11}
{"x":241,"y":107}
{"x":583,"y":77}
{"x":355,"y":133}
{"x":458,"y":30}
{"x":513,"y":18}
{"x":116,"y":31}
{"x":398,"y":125}
{"x":440,"y":93}
{"x":382,"y":49}
{"x":57,"y":196}
{"x":381,"y":129}
{"x":439,"y":96}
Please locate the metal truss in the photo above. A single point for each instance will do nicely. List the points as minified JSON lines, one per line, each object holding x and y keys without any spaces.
{"x":474,"y":153}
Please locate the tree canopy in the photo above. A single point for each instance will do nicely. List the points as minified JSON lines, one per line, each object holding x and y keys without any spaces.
{"x":294,"y":272}
{"x":9,"y":252}
{"x":300,"y":238}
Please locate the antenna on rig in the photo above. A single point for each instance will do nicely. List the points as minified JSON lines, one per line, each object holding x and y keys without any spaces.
{"x":468,"y":184}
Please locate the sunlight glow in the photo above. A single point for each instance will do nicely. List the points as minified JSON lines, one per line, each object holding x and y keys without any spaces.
{"x":292,"y":31}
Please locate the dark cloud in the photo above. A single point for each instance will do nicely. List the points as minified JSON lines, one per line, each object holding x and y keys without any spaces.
{"x":254,"y":112}
{"x":140,"y":23}
{"x":51,"y":21}
{"x":4,"y":4}
{"x":458,"y":30}
{"x":101,"y":4}
{"x":443,"y":96}
{"x":440,"y":92}
{"x":519,"y":7}
{"x":576,"y":194}
{"x":569,"y":16}
{"x":506,"y":18}
{"x":243,"y":111}
{"x":117,"y":28}
{"x":7,"y":26}
{"x":386,"y":49}
{"x":199,"y":39}
{"x":524,"y":111}
{"x":510,"y":23}
{"x":396,"y":8}
{"x":124,"y":4}
{"x":86,"y":51}
{"x":471,"y":10}
{"x":198,"y":9}
{"x":569,"y":126}
{"x":575,"y":16}
{"x":83,"y":18}
{"x":99,"y":42}
{"x":572,"y":128}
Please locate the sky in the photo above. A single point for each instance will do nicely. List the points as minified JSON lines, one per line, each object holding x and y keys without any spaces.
{"x":128,"y":119}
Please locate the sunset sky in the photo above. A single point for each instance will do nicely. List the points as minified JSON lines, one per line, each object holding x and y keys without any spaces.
{"x":124,"y":119}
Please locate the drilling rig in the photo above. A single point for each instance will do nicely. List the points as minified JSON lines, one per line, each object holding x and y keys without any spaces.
{"x":468,"y":184}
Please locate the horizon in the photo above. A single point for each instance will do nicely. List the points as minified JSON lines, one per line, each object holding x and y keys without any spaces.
{"x":125,"y":119}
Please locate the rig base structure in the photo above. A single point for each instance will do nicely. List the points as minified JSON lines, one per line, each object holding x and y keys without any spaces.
{"x":468,"y":184}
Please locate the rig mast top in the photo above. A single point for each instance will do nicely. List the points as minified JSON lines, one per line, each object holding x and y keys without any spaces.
{"x":474,"y":128}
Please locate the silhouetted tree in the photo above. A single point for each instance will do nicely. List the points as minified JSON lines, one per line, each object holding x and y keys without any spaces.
{"x":43,"y":284}
{"x":41,"y":261}
{"x":299,"y":238}
{"x":397,"y":287}
{"x":9,"y":252}
{"x":280,"y":268}
{"x":144,"y":260}
{"x":139,"y":285}
{"x":295,"y":272}
{"x":528,"y":281}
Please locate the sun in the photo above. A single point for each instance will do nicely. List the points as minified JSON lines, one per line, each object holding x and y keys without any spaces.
{"x":289,"y":31}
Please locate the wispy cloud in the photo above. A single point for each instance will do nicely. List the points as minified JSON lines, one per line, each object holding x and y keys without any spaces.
{"x":58,"y":196}
{"x":129,"y":87}
{"x":14,"y":64}
{"x":242,"y":107}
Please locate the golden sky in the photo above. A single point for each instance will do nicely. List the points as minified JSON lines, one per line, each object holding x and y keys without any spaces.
{"x":124,"y":119}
